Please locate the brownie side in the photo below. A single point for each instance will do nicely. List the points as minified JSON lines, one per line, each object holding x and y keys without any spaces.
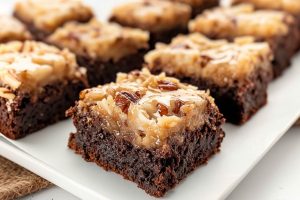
{"x":298,"y":22}
{"x":238,"y":102}
{"x":166,"y":36}
{"x":29,"y":114}
{"x":155,"y":170}
{"x":101,"y":72}
{"x":38,"y":34}
{"x":284,"y":48}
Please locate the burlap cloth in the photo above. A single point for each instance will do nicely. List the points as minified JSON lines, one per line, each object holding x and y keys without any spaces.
{"x":15,"y":181}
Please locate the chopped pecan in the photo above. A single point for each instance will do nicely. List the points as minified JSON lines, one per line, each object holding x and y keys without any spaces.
{"x":204,"y":60}
{"x":138,"y":94}
{"x":177,"y":106}
{"x":141,"y":134}
{"x":124,"y":99}
{"x":162,"y":109}
{"x":167,"y":85}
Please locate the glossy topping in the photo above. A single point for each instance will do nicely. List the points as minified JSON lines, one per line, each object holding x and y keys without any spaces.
{"x":147,"y":109}
{"x":241,"y":20}
{"x":48,"y":15}
{"x":197,"y":57}
{"x":290,"y":6}
{"x":153,"y":15}
{"x":106,"y":41}
{"x":32,"y":65}
{"x":11,"y":29}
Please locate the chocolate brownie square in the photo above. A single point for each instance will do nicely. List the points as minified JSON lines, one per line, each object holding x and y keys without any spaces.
{"x":290,"y":6}
{"x":42,"y":17}
{"x":12,"y":29}
{"x":277,"y":28}
{"x":38,"y":83}
{"x":153,"y":130}
{"x":198,"y":6}
{"x":237,"y":74}
{"x":163,"y":19}
{"x":103,"y":48}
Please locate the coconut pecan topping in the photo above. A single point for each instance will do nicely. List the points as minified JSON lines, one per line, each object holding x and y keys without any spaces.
{"x":134,"y":107}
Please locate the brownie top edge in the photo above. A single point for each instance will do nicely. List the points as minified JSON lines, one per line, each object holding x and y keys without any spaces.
{"x":292,"y":6}
{"x":12,"y":29}
{"x":224,"y":63}
{"x":100,"y":40}
{"x":149,"y":108}
{"x":152,"y":15}
{"x":31,"y":65}
{"x":242,"y":20}
{"x":47,"y":15}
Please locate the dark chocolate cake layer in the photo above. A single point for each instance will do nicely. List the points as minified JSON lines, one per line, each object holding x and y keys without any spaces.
{"x":28,"y":114}
{"x":101,"y":72}
{"x":154,"y":170}
{"x":238,"y":102}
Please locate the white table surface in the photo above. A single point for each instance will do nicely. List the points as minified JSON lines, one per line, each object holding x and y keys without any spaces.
{"x":276,"y":177}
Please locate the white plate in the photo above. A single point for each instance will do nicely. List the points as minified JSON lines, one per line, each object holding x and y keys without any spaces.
{"x":270,"y":179}
{"x":277,"y":176}
{"x":46,"y":152}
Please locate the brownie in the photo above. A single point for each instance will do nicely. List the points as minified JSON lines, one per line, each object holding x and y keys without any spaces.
{"x":38,"y":83}
{"x":42,"y":17}
{"x":152,"y":130}
{"x":12,"y":29}
{"x":236,"y":73}
{"x":198,"y":6}
{"x":291,"y":6}
{"x":163,"y":19}
{"x":277,"y":28}
{"x":103,"y":48}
